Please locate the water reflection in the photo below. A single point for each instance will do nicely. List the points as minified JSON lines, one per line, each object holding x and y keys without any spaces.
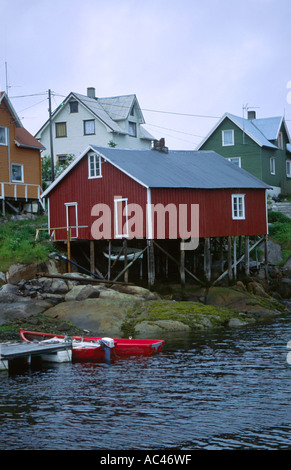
{"x":215,"y":390}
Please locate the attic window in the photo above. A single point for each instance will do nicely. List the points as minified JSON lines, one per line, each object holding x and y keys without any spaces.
{"x":132,"y":111}
{"x":227,"y":138}
{"x":94,"y":165}
{"x":280,"y":140}
{"x":73,"y":106}
{"x":238,"y":206}
{"x":132,"y":128}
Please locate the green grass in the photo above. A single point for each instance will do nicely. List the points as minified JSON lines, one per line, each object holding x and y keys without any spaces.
{"x":18,"y":245}
{"x":280,"y":232}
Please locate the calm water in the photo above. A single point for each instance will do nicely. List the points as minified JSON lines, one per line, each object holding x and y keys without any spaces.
{"x":227,"y":390}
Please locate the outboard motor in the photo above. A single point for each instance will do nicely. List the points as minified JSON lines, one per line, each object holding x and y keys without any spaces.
{"x":107,"y":344}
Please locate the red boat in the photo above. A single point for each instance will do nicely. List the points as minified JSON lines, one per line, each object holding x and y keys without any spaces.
{"x":86,"y":348}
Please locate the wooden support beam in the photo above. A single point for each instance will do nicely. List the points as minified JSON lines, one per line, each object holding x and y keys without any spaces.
{"x":229,"y":258}
{"x":92,"y":256}
{"x":247,"y":255}
{"x":238,"y":261}
{"x":151,"y":262}
{"x":129,"y":265}
{"x":207,"y":259}
{"x":182,"y":265}
{"x":177,"y":263}
{"x":125,"y":260}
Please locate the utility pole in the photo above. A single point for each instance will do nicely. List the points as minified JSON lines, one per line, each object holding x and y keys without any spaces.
{"x":51,"y":136}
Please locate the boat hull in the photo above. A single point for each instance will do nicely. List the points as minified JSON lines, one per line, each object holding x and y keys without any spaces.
{"x":88,"y":348}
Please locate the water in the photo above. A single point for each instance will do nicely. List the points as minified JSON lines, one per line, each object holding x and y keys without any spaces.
{"x":210,"y":391}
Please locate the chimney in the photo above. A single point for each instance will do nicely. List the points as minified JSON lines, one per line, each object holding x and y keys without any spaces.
{"x":251,"y":115}
{"x":160,"y":145}
{"x":91,"y":92}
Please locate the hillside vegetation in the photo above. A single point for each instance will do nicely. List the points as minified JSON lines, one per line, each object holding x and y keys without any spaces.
{"x":280,"y":232}
{"x":18,"y":244}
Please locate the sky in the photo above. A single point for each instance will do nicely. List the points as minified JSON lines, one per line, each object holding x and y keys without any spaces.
{"x":187,"y":61}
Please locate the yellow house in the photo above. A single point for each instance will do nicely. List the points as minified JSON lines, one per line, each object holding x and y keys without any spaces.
{"x":20,"y":160}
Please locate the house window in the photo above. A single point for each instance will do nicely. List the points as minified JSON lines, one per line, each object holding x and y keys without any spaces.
{"x":121,"y":217}
{"x":89,"y":127}
{"x":17,"y":173}
{"x":3,"y":135}
{"x":61,"y":129}
{"x":235,"y":160}
{"x":227,"y":138}
{"x":94,"y":162}
{"x":73,"y":106}
{"x":62,"y":159}
{"x":132,"y":111}
{"x":280,"y":140}
{"x":272,"y":166}
{"x":238,"y":206}
{"x":132,"y":129}
{"x":288,"y":168}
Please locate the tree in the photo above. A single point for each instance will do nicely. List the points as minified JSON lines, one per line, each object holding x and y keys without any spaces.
{"x":46,"y":169}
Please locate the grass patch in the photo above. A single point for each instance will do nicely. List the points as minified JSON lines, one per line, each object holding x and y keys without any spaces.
{"x":18,"y":245}
{"x":280,"y":232}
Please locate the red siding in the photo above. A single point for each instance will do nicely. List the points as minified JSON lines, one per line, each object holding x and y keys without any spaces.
{"x":76,"y":187}
{"x":215,"y":211}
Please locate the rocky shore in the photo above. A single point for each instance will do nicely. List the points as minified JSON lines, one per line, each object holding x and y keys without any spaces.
{"x":60,"y":302}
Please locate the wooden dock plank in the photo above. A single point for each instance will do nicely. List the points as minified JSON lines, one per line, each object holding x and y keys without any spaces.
{"x":16,"y":350}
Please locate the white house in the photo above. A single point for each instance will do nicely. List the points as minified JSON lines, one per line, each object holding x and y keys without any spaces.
{"x":82,"y":120}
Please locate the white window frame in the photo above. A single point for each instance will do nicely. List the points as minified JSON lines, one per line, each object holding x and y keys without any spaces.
{"x":272,"y":165}
{"x":238,"y":206}
{"x":22,"y":172}
{"x":72,"y":204}
{"x":288,"y":168}
{"x":97,"y":171}
{"x":89,"y":131}
{"x":5,"y":136}
{"x":235,"y":161}
{"x":119,"y":233}
{"x":224,"y":143}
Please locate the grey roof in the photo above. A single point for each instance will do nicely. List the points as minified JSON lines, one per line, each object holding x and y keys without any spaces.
{"x":175,"y":169}
{"x":108,"y":110}
{"x":262,"y":131}
{"x":180,"y":169}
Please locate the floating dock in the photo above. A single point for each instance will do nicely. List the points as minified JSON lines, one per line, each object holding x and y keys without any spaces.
{"x":47,"y":352}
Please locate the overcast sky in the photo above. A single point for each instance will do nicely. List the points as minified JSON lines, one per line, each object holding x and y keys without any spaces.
{"x":188,"y":61}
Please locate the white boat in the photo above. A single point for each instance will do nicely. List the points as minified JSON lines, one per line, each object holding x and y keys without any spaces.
{"x":132,"y":253}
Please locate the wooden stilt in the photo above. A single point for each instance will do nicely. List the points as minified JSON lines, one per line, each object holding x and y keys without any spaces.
{"x":69,"y":248}
{"x":266,"y":256}
{"x":125,"y":260}
{"x":207,"y":259}
{"x":182,"y":266}
{"x":221,"y":257}
{"x":234,"y":258}
{"x":151,"y":262}
{"x":92,"y":256}
{"x":109,"y":260}
{"x":247,"y":255}
{"x":229,"y":259}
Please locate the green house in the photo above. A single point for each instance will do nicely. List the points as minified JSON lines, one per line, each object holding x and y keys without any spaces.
{"x":260,"y":146}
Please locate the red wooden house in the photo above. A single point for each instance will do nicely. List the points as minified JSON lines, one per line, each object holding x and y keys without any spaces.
{"x":116,"y":194}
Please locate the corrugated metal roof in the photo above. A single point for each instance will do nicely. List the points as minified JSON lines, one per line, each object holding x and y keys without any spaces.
{"x":254,"y":129}
{"x":175,"y":169}
{"x":180,"y":169}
